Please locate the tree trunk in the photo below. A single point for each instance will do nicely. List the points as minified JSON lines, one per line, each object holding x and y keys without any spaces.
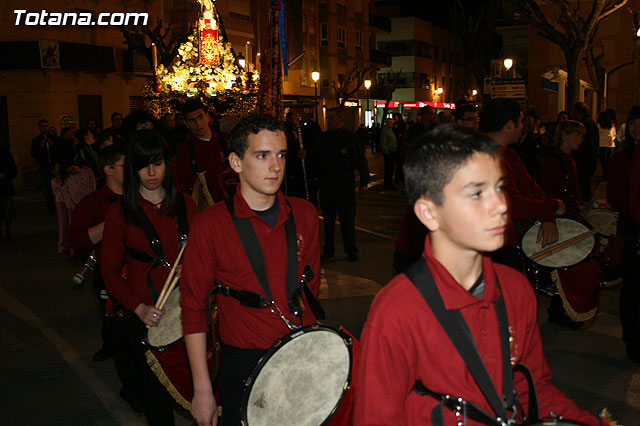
{"x":573,"y":80}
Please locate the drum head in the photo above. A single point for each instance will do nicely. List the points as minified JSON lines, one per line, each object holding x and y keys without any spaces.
{"x":300,"y":381}
{"x":572,"y":255}
{"x":169,"y":328}
{"x":605,"y":219}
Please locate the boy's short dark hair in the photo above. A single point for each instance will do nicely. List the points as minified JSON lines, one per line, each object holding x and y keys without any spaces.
{"x":43,"y":120}
{"x":251,"y":124}
{"x":192,"y":105}
{"x":462,"y":109}
{"x":114,"y":115}
{"x":109,"y":155}
{"x":432,"y":161}
{"x":499,"y":112}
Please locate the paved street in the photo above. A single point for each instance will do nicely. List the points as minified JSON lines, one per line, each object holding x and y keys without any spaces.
{"x":49,"y":331}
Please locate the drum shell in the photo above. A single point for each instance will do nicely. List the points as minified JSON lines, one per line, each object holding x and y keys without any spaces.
{"x":337,"y":409}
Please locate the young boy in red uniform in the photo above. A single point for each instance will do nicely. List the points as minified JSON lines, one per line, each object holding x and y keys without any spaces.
{"x":85,"y":234}
{"x":216,"y":252}
{"x":455,"y":184}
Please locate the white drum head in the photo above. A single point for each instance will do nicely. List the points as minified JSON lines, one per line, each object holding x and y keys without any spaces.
{"x":301,"y":383}
{"x":604,"y":219}
{"x":567,"y":228}
{"x":169,"y":328}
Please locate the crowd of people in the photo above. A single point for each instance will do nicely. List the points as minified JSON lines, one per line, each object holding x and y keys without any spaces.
{"x":242,"y":196}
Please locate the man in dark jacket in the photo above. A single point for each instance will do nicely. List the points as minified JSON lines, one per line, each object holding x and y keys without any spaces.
{"x":339,"y":155}
{"x":42,"y":151}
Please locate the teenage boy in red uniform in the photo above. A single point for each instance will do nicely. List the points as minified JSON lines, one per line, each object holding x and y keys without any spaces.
{"x":455,"y":183}
{"x":258,"y":149}
{"x":201,"y":152}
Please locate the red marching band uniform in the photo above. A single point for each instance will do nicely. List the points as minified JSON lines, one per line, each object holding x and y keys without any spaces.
{"x":171,"y":365}
{"x":579,"y":285}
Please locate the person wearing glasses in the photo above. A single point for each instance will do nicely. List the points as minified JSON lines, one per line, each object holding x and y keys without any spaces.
{"x":466,"y":115}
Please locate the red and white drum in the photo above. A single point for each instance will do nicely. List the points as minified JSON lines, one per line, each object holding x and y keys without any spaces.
{"x":573,"y":273}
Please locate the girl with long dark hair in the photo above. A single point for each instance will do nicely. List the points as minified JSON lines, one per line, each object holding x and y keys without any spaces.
{"x":143,"y":233}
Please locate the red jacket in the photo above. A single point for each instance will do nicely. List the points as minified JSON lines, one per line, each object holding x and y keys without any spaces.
{"x":215,"y":252}
{"x":120,"y":235}
{"x":89,"y":212}
{"x":527,"y":201}
{"x":402,"y":342}
{"x":210,"y":160}
{"x":553,"y":181}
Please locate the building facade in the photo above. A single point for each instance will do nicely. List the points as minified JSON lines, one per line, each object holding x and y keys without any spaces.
{"x":430,"y":63}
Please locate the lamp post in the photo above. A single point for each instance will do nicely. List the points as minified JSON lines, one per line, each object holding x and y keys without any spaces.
{"x":367,"y":85}
{"x":315,"y":76}
{"x":241,"y":61}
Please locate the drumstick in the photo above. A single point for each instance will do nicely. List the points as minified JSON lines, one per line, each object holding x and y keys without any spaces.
{"x":170,"y":277}
{"x":168,"y":293}
{"x":563,"y":245}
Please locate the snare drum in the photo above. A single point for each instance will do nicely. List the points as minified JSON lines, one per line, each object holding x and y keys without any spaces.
{"x":607,"y":221}
{"x":604,"y":219}
{"x":168,"y":330}
{"x":572,"y":273}
{"x":572,"y":255}
{"x":300,"y":381}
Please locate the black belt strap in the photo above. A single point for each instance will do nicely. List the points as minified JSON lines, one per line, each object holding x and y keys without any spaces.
{"x":156,"y":245}
{"x":256,"y":257}
{"x":467,"y":408}
{"x":458,"y":331}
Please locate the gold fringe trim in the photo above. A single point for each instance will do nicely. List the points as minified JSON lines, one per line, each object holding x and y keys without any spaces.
{"x":606,"y":414}
{"x":575,"y":316}
{"x":156,"y":367}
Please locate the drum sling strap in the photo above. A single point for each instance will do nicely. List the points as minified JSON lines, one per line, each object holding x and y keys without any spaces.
{"x":192,"y":157}
{"x":458,"y":331}
{"x":256,"y":259}
{"x":154,"y":239}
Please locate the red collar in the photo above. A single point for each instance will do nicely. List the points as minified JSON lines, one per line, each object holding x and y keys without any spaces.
{"x":453,"y":294}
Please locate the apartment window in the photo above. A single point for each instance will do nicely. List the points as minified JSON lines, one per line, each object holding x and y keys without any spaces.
{"x":324,"y":35}
{"x":341,"y":36}
{"x":358,"y":41}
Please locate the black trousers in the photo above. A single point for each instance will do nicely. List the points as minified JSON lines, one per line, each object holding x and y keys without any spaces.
{"x":158,"y":403}
{"x":630,"y":291}
{"x":389,"y":166}
{"x":338,"y":198}
{"x":114,"y":338}
{"x":236,"y":365}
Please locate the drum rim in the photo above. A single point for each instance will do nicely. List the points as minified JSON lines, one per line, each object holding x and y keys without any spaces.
{"x":248,"y":386}
{"x":551,"y":268}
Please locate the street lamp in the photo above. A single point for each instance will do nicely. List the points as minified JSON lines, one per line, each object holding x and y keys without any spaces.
{"x":474,"y":92}
{"x":315,"y":76}
{"x":241,"y":61}
{"x":367,"y":85}
{"x":508,"y":63}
